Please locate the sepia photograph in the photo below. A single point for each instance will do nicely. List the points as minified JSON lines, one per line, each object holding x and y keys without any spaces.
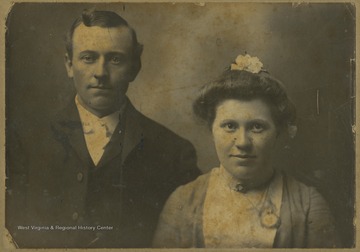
{"x":222,"y":125}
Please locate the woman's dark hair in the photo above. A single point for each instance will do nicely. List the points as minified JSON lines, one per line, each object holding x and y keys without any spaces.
{"x":244,"y":85}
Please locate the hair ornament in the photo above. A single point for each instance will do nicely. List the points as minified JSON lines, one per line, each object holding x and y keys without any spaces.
{"x":247,"y":63}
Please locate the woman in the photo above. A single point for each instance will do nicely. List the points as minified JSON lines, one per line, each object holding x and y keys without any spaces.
{"x":244,"y":202}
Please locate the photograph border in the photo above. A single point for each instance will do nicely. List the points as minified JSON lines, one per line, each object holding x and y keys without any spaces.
{"x":5,"y":8}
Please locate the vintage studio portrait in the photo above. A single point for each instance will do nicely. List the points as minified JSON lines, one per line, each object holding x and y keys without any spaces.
{"x":180,"y":125}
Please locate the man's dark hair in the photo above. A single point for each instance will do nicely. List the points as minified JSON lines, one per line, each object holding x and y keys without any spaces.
{"x":105,"y":19}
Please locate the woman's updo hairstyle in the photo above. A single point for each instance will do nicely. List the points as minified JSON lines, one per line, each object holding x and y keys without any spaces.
{"x":246,"y":80}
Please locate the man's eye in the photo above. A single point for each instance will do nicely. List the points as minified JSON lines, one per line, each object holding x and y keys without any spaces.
{"x":257,"y":127}
{"x":116,"y":60}
{"x":88,"y":58}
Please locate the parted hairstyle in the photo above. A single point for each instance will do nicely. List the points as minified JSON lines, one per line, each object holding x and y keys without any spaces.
{"x":105,"y":19}
{"x":244,"y":85}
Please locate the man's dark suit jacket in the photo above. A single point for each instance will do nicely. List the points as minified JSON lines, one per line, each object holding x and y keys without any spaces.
{"x":52,"y":182}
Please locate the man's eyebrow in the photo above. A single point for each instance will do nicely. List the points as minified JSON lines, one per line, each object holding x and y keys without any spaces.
{"x":108,"y":53}
{"x":116,"y":52}
{"x":88,"y":51}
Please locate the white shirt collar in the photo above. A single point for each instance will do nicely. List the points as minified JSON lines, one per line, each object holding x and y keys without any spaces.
{"x":98,"y":131}
{"x":88,"y":119}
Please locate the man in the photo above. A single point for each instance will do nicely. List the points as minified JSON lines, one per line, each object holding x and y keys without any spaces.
{"x":101,"y":171}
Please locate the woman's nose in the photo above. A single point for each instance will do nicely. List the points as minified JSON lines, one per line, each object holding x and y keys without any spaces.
{"x":242,"y":138}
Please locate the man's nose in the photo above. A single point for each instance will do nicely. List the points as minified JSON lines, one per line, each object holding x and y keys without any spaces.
{"x":242,"y":138}
{"x":100,"y":70}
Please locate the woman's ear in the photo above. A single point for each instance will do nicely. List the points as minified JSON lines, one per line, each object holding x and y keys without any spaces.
{"x":210,"y":127}
{"x":292,"y":130}
{"x":68,"y":65}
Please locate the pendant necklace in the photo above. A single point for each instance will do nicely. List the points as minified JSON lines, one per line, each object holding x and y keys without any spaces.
{"x":267,"y":212}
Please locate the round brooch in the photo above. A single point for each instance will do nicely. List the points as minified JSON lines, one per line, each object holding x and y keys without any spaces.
{"x":269,"y":219}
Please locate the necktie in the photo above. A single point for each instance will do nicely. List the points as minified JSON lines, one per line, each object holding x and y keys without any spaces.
{"x":97,"y":137}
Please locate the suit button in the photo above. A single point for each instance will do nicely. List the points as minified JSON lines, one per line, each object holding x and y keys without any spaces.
{"x":75,"y":216}
{"x":80,"y":176}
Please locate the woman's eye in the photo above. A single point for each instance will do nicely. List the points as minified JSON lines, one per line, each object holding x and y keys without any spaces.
{"x":229,"y":126}
{"x":257,"y":127}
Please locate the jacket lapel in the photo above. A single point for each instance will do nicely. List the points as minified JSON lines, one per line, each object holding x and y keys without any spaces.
{"x":134,"y":131}
{"x":127,"y":135}
{"x":68,"y":130}
{"x":114,"y":147}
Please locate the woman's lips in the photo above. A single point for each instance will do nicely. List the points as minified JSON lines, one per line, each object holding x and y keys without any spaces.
{"x":243,"y":156}
{"x":244,"y":159}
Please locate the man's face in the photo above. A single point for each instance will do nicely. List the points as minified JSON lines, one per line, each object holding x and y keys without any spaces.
{"x":100,"y":66}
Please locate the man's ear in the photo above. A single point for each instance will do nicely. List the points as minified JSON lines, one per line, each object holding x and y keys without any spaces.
{"x":136,"y":66}
{"x":68,"y":65}
{"x":133,"y":72}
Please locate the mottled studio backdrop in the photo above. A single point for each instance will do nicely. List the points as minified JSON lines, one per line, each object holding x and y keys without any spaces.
{"x":309,"y":47}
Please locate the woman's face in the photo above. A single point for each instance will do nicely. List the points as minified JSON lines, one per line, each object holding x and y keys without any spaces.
{"x":245,"y":135}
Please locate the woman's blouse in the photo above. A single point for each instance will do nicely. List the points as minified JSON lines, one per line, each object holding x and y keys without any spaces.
{"x":305,"y":220}
{"x":234,"y":219}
